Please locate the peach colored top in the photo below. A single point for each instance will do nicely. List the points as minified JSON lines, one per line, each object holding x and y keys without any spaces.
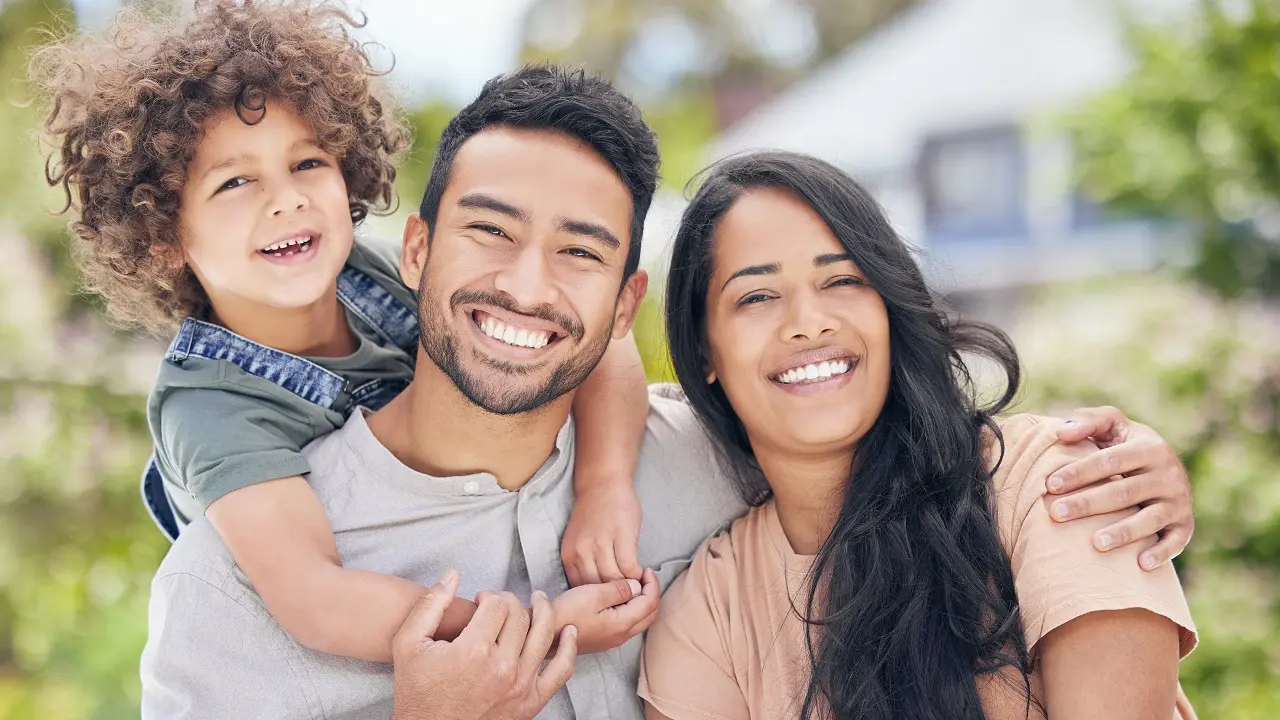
{"x":727,"y":645}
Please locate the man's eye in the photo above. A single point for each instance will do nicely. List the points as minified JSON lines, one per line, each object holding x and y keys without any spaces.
{"x":491,"y":229}
{"x":583,"y":253}
{"x":231,"y":184}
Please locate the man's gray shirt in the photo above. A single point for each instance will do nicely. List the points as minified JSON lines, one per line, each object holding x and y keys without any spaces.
{"x":213,"y":650}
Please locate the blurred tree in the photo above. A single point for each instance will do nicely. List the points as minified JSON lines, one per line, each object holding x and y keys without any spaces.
{"x":76,"y":547}
{"x":1194,"y":133}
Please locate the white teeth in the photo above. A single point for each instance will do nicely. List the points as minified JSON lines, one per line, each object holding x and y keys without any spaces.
{"x":518,"y":337}
{"x":278,"y":247}
{"x":815,"y":371}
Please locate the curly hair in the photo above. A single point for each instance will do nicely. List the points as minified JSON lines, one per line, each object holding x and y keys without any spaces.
{"x":128,"y":108}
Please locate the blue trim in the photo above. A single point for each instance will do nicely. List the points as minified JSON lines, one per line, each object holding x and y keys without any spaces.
{"x":368,"y":300}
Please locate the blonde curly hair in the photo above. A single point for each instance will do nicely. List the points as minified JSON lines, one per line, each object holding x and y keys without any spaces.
{"x":128,"y":108}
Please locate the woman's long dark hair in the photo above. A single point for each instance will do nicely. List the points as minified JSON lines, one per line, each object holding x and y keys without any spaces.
{"x":913,"y":591}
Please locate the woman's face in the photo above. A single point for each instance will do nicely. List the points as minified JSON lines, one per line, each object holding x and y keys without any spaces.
{"x":797,"y":338}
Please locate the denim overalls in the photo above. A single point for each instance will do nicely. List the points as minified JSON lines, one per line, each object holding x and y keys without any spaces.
{"x":363,"y":297}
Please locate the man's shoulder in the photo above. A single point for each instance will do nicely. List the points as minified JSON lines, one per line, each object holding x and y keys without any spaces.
{"x":199,"y":560}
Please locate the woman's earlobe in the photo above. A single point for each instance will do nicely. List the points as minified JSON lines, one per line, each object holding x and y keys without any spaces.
{"x":711,"y":378}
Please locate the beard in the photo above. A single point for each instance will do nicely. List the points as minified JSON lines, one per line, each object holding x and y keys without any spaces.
{"x":495,"y":385}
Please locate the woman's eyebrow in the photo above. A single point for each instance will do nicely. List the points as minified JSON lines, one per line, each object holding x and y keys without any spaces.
{"x":832,"y":258}
{"x":770,"y":269}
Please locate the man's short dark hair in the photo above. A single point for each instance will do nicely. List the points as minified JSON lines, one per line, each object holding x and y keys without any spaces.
{"x":582,"y":106}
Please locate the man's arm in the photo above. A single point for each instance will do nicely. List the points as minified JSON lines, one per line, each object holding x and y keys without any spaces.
{"x":1135,"y":468}
{"x":210,"y":657}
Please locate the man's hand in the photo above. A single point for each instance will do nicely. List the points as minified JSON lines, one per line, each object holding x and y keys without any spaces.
{"x":609,"y":614}
{"x":491,"y":672}
{"x":604,"y":530}
{"x":1134,"y":468}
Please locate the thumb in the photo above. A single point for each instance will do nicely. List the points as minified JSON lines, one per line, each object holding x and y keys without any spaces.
{"x":420,"y":626}
{"x":617,"y":592}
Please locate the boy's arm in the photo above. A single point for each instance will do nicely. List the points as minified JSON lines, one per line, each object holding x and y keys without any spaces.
{"x":279,"y":535}
{"x":610,"y":412}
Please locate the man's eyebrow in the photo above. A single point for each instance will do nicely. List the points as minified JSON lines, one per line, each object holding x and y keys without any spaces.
{"x":831,"y":259}
{"x":480,"y":201}
{"x":591,"y":230}
{"x":770,"y":269}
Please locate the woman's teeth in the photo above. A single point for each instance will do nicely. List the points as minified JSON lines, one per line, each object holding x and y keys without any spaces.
{"x":815,"y":372}
{"x":288,"y":247}
{"x":499,"y":330}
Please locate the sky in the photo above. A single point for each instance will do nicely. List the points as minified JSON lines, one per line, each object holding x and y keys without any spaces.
{"x":441,"y":47}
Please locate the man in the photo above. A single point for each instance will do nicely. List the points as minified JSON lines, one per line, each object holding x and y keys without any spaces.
{"x":530,"y":225}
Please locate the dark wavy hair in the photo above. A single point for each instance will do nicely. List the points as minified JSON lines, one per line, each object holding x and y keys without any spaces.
{"x":127,"y":109}
{"x":562,"y":100}
{"x":912,"y":595}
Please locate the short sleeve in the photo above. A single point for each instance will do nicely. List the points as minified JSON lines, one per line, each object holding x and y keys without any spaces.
{"x":212,"y":440}
{"x":1058,"y":574}
{"x":686,"y":669}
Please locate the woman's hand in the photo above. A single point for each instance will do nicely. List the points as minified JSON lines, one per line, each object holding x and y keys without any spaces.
{"x":1135,"y":467}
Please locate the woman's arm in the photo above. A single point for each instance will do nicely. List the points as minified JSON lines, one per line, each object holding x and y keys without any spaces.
{"x":1112,"y":664}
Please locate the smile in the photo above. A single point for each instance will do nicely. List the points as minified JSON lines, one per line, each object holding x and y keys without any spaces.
{"x":512,"y":335}
{"x":815,"y":372}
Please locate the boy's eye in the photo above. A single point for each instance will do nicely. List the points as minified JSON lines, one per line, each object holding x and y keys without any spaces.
{"x":231,"y":184}
{"x":583,"y":253}
{"x":310,"y":163}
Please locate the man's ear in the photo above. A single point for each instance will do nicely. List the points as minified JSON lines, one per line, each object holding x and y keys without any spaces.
{"x":633,"y":292}
{"x":413,"y":251}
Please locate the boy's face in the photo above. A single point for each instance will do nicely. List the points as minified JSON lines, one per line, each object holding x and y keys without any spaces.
{"x":264,"y":213}
{"x":519,"y":283}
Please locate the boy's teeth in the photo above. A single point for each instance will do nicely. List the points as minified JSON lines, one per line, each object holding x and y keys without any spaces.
{"x":499,"y":330}
{"x":287,"y":244}
{"x":814,"y":371}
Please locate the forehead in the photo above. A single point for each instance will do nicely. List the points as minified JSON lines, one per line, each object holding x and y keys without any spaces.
{"x":771,"y":225}
{"x":546,"y":174}
{"x":225,"y":133}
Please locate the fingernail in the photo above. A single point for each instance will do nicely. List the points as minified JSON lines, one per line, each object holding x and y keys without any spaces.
{"x":539,"y":594}
{"x":1148,"y":562}
{"x":1055,"y":483}
{"x":1068,"y":423}
{"x":1104,"y":541}
{"x":573,"y":631}
{"x":635,"y":587}
{"x":1060,"y":510}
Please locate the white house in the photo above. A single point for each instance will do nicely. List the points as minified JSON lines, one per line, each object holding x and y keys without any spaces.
{"x":951,"y":113}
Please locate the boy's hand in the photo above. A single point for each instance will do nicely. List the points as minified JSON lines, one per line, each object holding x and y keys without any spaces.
{"x":608,"y":614}
{"x":600,"y":543}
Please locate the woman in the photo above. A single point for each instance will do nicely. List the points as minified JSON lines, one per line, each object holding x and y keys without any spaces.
{"x":901,"y":562}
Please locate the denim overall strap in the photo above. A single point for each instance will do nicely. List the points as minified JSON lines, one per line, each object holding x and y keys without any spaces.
{"x":362,"y":295}
{"x":379,"y":308}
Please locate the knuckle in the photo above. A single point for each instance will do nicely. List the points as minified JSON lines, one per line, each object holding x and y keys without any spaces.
{"x":1123,"y":492}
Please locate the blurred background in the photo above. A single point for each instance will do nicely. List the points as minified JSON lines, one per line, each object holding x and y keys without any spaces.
{"x":1101,"y":179}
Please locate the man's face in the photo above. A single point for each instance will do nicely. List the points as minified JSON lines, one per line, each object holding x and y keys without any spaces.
{"x":519,"y":282}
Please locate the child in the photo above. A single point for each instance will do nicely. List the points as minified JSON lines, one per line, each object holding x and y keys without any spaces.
{"x":218,"y":169}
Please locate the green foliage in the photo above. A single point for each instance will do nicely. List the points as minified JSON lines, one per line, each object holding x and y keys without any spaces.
{"x":1194,"y":133}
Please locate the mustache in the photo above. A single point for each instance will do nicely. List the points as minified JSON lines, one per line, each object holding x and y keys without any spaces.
{"x":502,"y":300}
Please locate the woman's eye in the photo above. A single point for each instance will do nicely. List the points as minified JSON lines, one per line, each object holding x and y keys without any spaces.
{"x":231,"y":184}
{"x":310,"y":163}
{"x":846,"y":280}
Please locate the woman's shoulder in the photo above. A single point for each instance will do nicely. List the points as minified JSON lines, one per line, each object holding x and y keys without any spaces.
{"x":719,"y":563}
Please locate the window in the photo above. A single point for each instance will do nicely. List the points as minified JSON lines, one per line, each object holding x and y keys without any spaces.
{"x":972,"y":183}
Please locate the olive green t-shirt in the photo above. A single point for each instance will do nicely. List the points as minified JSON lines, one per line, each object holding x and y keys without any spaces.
{"x":217,"y":428}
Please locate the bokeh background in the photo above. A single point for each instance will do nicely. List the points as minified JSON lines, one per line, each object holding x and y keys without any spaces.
{"x":1102,"y":179}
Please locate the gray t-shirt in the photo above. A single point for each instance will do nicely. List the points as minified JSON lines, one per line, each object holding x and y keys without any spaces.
{"x":213,"y":650}
{"x":217,"y":428}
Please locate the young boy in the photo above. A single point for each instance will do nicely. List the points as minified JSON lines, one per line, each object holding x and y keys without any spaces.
{"x":218,"y":169}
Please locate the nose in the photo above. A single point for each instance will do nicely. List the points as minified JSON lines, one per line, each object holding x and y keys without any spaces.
{"x":807,"y":318}
{"x":527,"y":278}
{"x":287,"y":197}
